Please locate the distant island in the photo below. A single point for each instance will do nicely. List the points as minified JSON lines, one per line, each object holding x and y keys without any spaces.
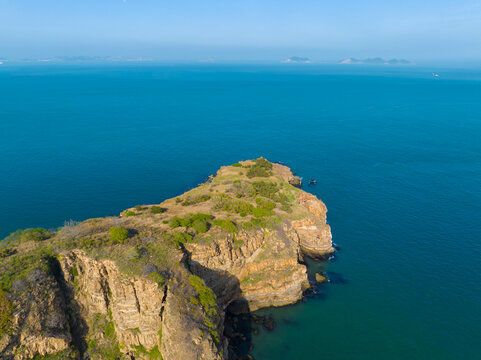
{"x":158,"y":281}
{"x":297,"y":59}
{"x":376,"y":61}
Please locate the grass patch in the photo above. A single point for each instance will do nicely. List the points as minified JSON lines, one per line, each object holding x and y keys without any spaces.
{"x":157,"y":209}
{"x":118,"y":235}
{"x":6,"y":310}
{"x":226,"y":225}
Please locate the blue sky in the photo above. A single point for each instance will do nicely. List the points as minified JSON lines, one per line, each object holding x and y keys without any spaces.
{"x":243,"y":30}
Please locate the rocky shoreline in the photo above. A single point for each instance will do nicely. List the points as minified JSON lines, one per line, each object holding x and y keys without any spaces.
{"x":163,"y":281}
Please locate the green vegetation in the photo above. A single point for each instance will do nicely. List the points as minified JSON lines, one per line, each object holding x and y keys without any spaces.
{"x":138,"y":207}
{"x":252,"y":279}
{"x":267,"y":189}
{"x":61,"y":355}
{"x":6,"y":252}
{"x":208,"y":300}
{"x":118,"y":234}
{"x":6,"y":310}
{"x":264,"y":203}
{"x":158,"y":278}
{"x":226,"y":225}
{"x":20,"y":236}
{"x":206,"y":296}
{"x":262,"y":212}
{"x":200,"y":226}
{"x":130,"y":213}
{"x":192,"y":200}
{"x":181,"y":238}
{"x":106,"y":348}
{"x":261,"y":168}
{"x":157,"y":210}
{"x":225,"y":202}
{"x":236,"y":165}
{"x":152,"y":354}
{"x":199,"y":222}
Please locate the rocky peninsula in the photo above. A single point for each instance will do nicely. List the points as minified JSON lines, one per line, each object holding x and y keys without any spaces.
{"x":155,"y":282}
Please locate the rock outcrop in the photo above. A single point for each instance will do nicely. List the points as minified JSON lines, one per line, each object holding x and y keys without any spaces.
{"x":158,"y":287}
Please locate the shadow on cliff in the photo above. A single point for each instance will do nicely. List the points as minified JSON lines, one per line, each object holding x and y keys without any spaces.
{"x":236,"y":321}
{"x":78,"y":326}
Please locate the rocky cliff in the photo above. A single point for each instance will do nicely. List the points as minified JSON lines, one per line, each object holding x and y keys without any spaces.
{"x":154,"y":282}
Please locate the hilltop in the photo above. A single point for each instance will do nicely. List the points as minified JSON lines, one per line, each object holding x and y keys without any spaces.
{"x":155,"y":281}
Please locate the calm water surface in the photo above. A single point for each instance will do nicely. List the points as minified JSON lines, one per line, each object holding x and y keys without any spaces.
{"x":396,"y":155}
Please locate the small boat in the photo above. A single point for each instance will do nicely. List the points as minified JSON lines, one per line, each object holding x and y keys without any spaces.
{"x":435,"y":75}
{"x":313,"y":182}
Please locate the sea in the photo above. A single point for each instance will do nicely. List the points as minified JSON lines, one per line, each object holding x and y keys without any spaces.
{"x":395,"y":151}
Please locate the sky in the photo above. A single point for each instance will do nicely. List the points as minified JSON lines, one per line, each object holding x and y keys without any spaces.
{"x":419,"y":30}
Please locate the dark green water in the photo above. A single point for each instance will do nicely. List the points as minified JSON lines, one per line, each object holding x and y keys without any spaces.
{"x":396,"y":155}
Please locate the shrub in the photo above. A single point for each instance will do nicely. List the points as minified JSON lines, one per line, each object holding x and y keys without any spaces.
{"x":226,"y":225}
{"x":130,"y":213}
{"x":181,"y":238}
{"x":261,"y":212}
{"x":265,"y":188}
{"x":267,"y":204}
{"x":263,"y":163}
{"x":225,"y":202}
{"x":156,"y":210}
{"x":158,"y":278}
{"x":118,"y":234}
{"x":6,"y":310}
{"x":185,"y":222}
{"x":192,"y":200}
{"x":201,"y":216}
{"x":247,"y":226}
{"x":207,"y":298}
{"x":256,"y":171}
{"x":174,"y":222}
{"x":5,"y":252}
{"x":256,"y":222}
{"x":236,"y":165}
{"x":38,"y":234}
{"x":138,"y":208}
{"x":200,"y":226}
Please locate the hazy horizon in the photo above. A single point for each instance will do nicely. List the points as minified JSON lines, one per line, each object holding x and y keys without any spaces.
{"x":425,"y":33}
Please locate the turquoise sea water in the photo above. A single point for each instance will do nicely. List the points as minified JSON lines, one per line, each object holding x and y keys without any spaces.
{"x":396,"y":154}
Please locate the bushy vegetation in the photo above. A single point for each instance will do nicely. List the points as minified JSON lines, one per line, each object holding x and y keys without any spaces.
{"x":242,"y":189}
{"x":192,"y":200}
{"x":118,"y":235}
{"x":6,"y":310}
{"x":158,"y":278}
{"x":180,"y":238}
{"x":226,"y":203}
{"x":267,"y":189}
{"x":106,"y":348}
{"x":226,"y":225}
{"x":130,"y":213}
{"x":37,"y":234}
{"x":261,"y":168}
{"x":271,"y":191}
{"x":157,"y":210}
{"x":6,"y":252}
{"x":264,"y":203}
{"x":262,"y":212}
{"x":236,"y":165}
{"x":255,"y":171}
{"x":199,"y":221}
{"x":138,"y":207}
{"x":208,"y":301}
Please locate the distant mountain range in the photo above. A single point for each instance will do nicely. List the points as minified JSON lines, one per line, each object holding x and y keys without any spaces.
{"x":297,"y":59}
{"x":377,"y":61}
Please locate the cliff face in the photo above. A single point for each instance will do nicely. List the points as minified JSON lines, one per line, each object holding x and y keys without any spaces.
{"x":158,"y":290}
